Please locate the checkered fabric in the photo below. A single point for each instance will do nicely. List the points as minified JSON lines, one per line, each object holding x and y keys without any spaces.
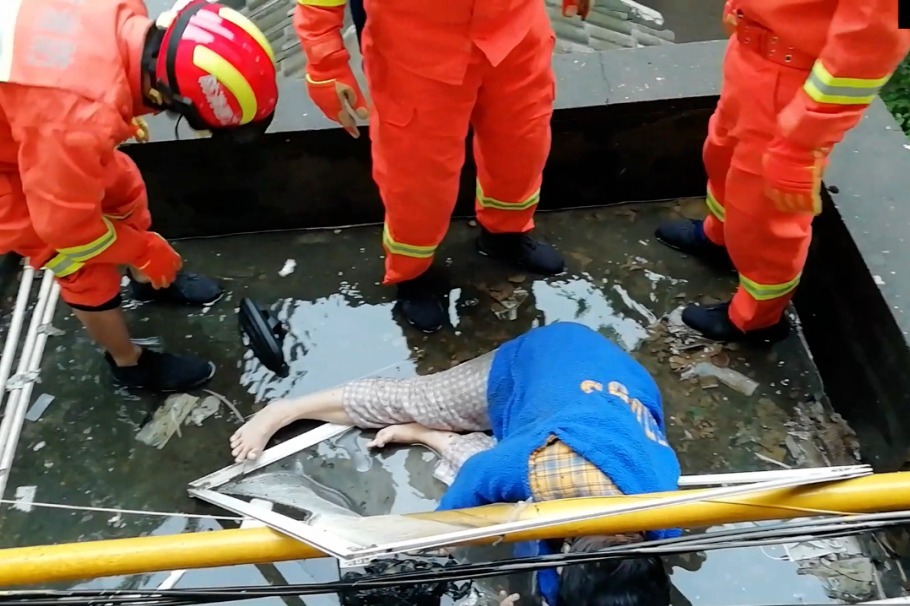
{"x":456,"y":400}
{"x":557,"y":472}
{"x":451,"y":400}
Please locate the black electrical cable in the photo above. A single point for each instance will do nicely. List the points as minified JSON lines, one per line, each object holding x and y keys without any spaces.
{"x":723,"y":539}
{"x":451,"y":573}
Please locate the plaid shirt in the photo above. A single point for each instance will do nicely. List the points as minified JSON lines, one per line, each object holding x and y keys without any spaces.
{"x":558,"y":472}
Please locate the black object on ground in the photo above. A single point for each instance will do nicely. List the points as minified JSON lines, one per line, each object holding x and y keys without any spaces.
{"x":264,"y":335}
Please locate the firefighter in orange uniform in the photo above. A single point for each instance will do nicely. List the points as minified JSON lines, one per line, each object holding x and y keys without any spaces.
{"x":74,"y":75}
{"x":798,"y":74}
{"x":434,"y":70}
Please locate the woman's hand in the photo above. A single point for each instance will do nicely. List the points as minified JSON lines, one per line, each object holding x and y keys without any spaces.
{"x":508,"y":600}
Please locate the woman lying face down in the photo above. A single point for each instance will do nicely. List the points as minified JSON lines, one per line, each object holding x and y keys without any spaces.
{"x":571,"y":415}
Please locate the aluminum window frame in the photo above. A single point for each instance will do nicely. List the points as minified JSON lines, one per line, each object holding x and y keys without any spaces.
{"x":352,"y":554}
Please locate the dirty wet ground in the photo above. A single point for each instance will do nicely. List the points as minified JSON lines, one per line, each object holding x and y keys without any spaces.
{"x":83,"y":450}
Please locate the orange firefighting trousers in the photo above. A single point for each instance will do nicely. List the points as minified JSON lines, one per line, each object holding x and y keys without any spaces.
{"x":767,"y":246}
{"x":93,"y":285}
{"x":418,"y":128}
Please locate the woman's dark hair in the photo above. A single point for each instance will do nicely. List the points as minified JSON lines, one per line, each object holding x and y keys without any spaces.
{"x":424,"y":594}
{"x":641,"y":581}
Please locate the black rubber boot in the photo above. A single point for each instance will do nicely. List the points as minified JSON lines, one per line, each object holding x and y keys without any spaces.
{"x":422,"y":302}
{"x":186,"y":289}
{"x":521,"y":250}
{"x":162,"y":372}
{"x":713,"y":321}
{"x":688,"y":237}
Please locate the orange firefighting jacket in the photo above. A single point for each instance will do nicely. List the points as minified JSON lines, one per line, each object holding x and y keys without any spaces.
{"x":433,"y":40}
{"x":69,"y":80}
{"x":857,"y":45}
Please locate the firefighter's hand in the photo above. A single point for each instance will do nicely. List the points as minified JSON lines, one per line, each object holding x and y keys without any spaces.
{"x":729,"y":18}
{"x":577,"y":8}
{"x":159,"y":262}
{"x":338,"y":95}
{"x":793,"y":177}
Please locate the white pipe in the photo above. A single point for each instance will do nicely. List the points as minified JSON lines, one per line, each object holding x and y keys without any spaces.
{"x":749,"y":477}
{"x":17,"y":406}
{"x":172,"y":579}
{"x":28,"y":346}
{"x":15,"y":327}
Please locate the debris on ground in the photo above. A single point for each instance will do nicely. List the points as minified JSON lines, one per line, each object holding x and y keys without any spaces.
{"x":178,"y":409}
{"x":230,"y":405}
{"x":25,"y":496}
{"x":727,"y":376}
{"x":819,"y":436}
{"x":507,"y":298}
{"x":38,"y":407}
{"x":288,"y":268}
{"x":845,"y":572}
{"x":51,"y":331}
{"x":203,"y":410}
{"x":633,"y":263}
{"x":694,"y":357}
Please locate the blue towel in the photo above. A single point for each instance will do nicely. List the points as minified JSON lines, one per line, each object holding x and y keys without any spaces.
{"x":569,"y":381}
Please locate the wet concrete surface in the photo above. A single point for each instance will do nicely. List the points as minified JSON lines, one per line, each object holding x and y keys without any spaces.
{"x":83,"y":450}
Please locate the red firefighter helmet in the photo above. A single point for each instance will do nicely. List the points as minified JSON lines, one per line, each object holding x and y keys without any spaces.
{"x":215,"y":67}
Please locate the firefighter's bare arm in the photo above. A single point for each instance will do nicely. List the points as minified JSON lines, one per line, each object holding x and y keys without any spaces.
{"x":329,"y":79}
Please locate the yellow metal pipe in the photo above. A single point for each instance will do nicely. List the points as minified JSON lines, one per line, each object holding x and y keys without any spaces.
{"x":69,"y":562}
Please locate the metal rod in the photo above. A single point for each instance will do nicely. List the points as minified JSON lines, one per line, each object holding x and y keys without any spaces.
{"x":30,"y":362}
{"x":319,"y":434}
{"x":748,"y":477}
{"x":15,"y":327}
{"x":47,"y":564}
{"x":340,"y":543}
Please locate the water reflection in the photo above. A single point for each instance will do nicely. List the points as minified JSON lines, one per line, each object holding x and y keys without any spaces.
{"x":581,"y":300}
{"x":343,"y":340}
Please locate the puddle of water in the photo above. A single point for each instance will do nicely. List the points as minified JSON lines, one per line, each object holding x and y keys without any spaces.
{"x":83,"y":450}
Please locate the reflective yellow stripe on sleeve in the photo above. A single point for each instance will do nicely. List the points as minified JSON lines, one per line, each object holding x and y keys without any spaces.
{"x":114,"y":217}
{"x":71,"y":259}
{"x":766,"y":292}
{"x":824,"y":87}
{"x":488,"y":202}
{"x":62,"y":266}
{"x":323,"y":3}
{"x":405,"y":250}
{"x":714,"y":207}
